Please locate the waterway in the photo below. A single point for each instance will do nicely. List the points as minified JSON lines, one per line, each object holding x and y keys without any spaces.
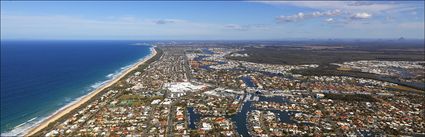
{"x":207,"y":51}
{"x":193,"y":117}
{"x":248,"y":81}
{"x":240,"y":119}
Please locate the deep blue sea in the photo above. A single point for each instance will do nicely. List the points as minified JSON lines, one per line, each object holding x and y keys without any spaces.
{"x":40,"y":77}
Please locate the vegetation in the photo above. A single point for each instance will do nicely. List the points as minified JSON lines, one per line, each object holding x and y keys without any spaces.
{"x":331,"y":53}
{"x":404,"y":89}
{"x":331,"y":70}
{"x":351,"y":97}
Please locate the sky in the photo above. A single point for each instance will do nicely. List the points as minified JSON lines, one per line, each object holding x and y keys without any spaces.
{"x":212,"y":20}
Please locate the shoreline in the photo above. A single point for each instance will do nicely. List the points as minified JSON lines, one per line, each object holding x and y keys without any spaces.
{"x":82,"y":100}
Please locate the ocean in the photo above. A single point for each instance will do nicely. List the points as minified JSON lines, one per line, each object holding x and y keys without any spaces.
{"x":40,"y":77}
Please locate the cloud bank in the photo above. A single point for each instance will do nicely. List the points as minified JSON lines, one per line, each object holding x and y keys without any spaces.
{"x":361,"y":15}
{"x":302,"y":16}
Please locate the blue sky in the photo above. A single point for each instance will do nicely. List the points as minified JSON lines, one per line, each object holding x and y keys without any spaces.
{"x":213,"y":20}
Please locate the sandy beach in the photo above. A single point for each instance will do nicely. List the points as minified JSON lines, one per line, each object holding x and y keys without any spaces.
{"x":86,"y":98}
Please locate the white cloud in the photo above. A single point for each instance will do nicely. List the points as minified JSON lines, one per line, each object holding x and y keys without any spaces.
{"x":350,"y":12}
{"x":361,"y":15}
{"x":292,"y":18}
{"x":301,"y":16}
{"x":343,"y":5}
{"x":327,"y":13}
{"x":330,"y":20}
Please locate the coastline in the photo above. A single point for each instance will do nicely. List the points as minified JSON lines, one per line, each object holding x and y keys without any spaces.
{"x":82,"y":100}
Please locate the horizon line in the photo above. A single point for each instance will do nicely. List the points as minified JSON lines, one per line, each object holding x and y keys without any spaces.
{"x":288,"y":39}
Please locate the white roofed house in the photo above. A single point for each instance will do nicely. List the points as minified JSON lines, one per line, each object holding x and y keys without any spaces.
{"x":178,"y":89}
